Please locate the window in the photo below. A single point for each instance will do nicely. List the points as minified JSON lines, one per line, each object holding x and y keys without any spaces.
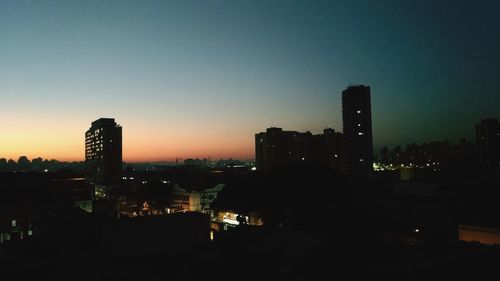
{"x":360,"y":134}
{"x":358,"y":112}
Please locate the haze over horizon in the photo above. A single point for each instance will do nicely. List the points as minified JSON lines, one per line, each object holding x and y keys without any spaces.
{"x":195,"y":79}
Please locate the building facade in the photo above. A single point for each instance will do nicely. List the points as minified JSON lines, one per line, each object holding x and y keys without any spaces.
{"x":488,"y":143}
{"x":357,"y":129}
{"x":103,"y":153}
{"x":276,"y":148}
{"x":194,"y":201}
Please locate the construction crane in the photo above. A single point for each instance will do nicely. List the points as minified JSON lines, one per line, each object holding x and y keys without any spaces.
{"x":172,"y":158}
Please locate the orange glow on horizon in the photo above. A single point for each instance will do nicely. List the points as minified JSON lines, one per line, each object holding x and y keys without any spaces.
{"x":66,"y":143}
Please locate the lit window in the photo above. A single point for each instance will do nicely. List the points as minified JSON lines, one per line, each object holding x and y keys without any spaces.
{"x":360,"y":133}
{"x":361,"y":160}
{"x":303,"y":158}
{"x":336,"y":155}
{"x":358,"y":112}
{"x":14,"y":223}
{"x":359,"y":125}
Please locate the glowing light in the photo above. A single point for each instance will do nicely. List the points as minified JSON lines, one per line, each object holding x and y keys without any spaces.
{"x":254,"y":168}
{"x":231,"y":221}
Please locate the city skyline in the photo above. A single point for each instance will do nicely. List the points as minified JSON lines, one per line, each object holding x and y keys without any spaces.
{"x":194,"y":79}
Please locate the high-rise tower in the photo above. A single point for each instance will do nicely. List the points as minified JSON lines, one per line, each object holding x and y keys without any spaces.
{"x":357,"y":129}
{"x":103,"y":152}
{"x":488,"y":143}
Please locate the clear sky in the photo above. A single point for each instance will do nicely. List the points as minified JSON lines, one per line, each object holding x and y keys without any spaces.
{"x":200,"y":78}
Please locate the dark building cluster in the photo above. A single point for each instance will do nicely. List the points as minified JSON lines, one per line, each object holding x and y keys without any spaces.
{"x":350,"y":152}
{"x":312,"y":208}
{"x":276,"y":148}
{"x":436,"y":155}
{"x":24,"y":164}
{"x":445,"y":158}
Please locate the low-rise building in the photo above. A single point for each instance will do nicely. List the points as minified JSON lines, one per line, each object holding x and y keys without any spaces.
{"x":184,"y":200}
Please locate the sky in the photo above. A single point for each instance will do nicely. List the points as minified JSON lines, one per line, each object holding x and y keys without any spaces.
{"x":200,"y":78}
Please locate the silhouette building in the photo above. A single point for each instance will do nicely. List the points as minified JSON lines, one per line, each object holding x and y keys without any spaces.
{"x":103,"y":153}
{"x":357,"y":129}
{"x":276,"y":148}
{"x":488,"y":143}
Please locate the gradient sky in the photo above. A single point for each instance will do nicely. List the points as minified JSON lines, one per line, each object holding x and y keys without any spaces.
{"x":200,"y":78}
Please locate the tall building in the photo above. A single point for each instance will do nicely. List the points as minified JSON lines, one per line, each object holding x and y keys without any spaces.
{"x":276,"y":148}
{"x":103,"y":153}
{"x":357,"y":123}
{"x":488,"y":143}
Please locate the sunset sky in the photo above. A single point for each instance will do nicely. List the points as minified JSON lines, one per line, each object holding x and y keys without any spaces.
{"x":200,"y":78}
